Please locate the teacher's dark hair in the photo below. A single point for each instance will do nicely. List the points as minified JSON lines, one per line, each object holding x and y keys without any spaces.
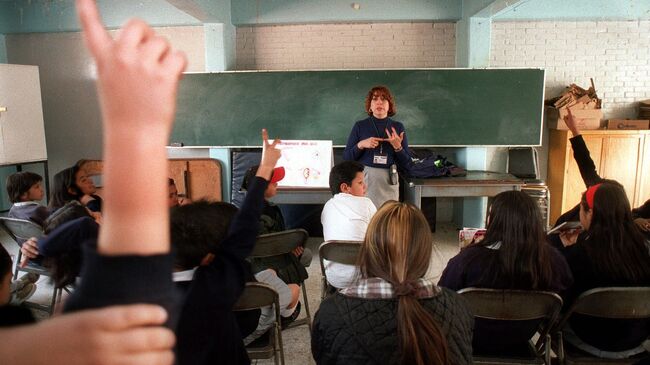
{"x":381,"y":91}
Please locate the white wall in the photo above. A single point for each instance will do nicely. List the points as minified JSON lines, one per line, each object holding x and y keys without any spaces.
{"x":70,"y":106}
{"x":346,"y":46}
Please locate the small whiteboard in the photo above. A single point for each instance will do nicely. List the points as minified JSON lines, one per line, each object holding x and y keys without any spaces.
{"x":307,"y":164}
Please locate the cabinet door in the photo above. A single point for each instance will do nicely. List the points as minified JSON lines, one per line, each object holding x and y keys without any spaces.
{"x":620,"y":161}
{"x":178,"y":172}
{"x":574,"y":186}
{"x":643,"y":189}
{"x":204,"y":179}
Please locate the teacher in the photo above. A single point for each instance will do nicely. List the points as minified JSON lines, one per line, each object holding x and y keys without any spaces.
{"x":379,"y":143}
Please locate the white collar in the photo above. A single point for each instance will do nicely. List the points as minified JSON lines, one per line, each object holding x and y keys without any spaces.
{"x":186,"y":275}
{"x":495,"y":246}
{"x":23,"y":204}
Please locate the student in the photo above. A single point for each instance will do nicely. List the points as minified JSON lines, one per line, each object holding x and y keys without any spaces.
{"x":512,"y":255}
{"x":590,"y":177}
{"x":290,"y":267}
{"x":346,"y":216}
{"x":200,"y":233}
{"x":74,"y":184}
{"x":611,"y":251}
{"x":25,"y":191}
{"x":392,"y":315}
{"x":138,"y":78}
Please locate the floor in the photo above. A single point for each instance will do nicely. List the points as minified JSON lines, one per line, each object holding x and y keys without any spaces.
{"x":296,"y":340}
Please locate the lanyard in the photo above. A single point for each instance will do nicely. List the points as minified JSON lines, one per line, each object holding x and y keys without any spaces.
{"x":381,"y":144}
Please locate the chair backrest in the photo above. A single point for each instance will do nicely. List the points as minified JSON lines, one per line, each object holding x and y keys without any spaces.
{"x":515,"y":305}
{"x":278,"y":243}
{"x":20,"y":229}
{"x":256,"y":295}
{"x":612,"y":302}
{"x":342,"y":252}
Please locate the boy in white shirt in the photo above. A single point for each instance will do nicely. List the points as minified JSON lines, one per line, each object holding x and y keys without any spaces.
{"x":346,"y":216}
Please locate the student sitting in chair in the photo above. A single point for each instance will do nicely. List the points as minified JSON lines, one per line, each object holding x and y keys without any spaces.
{"x":346,"y":216}
{"x":199,"y":231}
{"x":291,"y":267}
{"x":512,"y":255}
{"x":74,"y":183}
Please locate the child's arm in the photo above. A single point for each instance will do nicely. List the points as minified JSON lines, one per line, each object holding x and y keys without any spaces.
{"x":137,"y":80}
{"x":138,"y":76}
{"x":243,"y":229}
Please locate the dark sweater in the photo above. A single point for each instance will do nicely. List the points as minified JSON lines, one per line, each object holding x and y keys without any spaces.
{"x":605,"y":334}
{"x":208,"y":332}
{"x":350,"y":330}
{"x":474,"y":267}
{"x":366,"y":128}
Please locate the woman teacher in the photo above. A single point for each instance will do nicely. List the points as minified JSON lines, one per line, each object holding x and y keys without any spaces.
{"x":379,"y":143}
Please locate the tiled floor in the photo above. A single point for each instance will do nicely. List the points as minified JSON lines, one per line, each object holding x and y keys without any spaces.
{"x":296,"y":340}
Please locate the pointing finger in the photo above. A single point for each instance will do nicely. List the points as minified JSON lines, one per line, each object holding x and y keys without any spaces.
{"x":97,"y":39}
{"x":265,"y":137}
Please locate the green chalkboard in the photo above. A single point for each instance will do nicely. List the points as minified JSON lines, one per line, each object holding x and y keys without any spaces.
{"x":439,"y":107}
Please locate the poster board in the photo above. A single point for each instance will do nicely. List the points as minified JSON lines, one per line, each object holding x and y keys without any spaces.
{"x":307,"y":163}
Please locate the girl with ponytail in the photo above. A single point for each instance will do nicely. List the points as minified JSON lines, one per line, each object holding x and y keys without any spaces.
{"x":391,"y":315}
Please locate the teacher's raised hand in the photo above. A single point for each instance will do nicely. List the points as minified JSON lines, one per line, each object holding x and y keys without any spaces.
{"x":395,"y":139}
{"x":370,"y":142}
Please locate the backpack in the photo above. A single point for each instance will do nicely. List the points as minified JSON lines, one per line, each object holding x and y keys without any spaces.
{"x":425,"y":165}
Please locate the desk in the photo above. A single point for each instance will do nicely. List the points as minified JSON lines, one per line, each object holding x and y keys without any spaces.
{"x":302,"y":196}
{"x":476,"y":183}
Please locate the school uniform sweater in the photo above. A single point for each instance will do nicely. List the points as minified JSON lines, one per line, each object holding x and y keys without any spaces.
{"x":373,"y":127}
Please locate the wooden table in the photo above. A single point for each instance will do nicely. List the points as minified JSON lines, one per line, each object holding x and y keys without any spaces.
{"x":476,"y":183}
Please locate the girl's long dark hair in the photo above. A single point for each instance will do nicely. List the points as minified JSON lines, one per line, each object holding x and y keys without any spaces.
{"x":397,"y":248}
{"x":63,"y":182}
{"x":615,"y":245}
{"x":523,"y":260}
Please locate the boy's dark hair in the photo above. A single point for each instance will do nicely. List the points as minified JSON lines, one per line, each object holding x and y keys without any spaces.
{"x":65,"y":265}
{"x":197,"y":229}
{"x":63,"y":182}
{"x":343,"y":172}
{"x":20,"y":183}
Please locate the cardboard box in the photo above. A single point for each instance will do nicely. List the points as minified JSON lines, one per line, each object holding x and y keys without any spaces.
{"x":585,"y":118}
{"x":628,"y":124}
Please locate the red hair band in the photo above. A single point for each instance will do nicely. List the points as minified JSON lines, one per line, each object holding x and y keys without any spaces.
{"x":591,"y":191}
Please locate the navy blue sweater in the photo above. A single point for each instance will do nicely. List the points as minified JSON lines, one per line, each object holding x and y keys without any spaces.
{"x":366,"y":128}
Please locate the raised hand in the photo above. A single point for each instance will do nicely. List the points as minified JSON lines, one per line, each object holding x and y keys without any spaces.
{"x":570,"y":121}
{"x":138,"y":73}
{"x":395,"y":139}
{"x":270,"y":156}
{"x":370,"y":142}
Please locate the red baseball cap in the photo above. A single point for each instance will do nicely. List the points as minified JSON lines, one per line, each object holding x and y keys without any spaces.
{"x":278,"y":174}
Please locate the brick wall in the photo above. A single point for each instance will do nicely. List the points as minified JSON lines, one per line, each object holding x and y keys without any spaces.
{"x":615,"y":53}
{"x":346,"y":46}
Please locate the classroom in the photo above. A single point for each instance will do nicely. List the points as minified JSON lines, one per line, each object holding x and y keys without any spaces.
{"x":573,"y":42}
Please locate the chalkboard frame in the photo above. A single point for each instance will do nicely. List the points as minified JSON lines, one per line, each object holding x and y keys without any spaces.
{"x":228,"y":109}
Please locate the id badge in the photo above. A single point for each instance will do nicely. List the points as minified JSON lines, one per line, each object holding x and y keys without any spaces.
{"x":380,"y":159}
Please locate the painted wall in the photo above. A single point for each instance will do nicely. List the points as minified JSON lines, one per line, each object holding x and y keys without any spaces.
{"x":248,"y":12}
{"x":345,"y":46}
{"x":577,"y":10}
{"x":70,"y":107}
{"x":27,"y":16}
{"x":3,"y":49}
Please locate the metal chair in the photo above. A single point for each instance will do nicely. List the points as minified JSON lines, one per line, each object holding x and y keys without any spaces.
{"x":281,"y":243}
{"x":21,"y":230}
{"x":256,"y":296}
{"x":341,"y":252}
{"x":516,"y":305}
{"x":608,"y":302}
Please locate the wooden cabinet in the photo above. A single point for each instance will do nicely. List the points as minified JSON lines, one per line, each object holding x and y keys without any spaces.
{"x":195,"y":178}
{"x":620,"y":155}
